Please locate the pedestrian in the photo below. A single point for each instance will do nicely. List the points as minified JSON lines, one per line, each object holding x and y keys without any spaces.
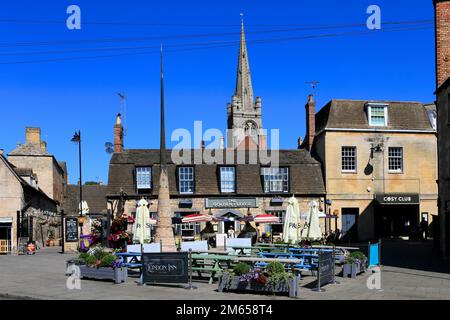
{"x":231,"y":232}
{"x":424,"y":228}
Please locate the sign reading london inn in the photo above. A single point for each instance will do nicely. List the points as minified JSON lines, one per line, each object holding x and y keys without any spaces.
{"x":397,"y":198}
{"x":231,"y":203}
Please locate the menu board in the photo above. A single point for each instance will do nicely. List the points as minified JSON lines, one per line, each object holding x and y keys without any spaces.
{"x":326,"y":268}
{"x":71,"y":229}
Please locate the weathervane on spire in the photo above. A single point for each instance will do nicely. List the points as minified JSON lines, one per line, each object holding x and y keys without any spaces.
{"x":313,"y":84}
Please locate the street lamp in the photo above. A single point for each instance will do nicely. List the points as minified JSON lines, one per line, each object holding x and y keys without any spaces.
{"x":77,"y":138}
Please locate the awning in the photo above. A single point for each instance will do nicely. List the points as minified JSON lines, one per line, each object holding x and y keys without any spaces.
{"x":266,"y":218}
{"x":197,"y":217}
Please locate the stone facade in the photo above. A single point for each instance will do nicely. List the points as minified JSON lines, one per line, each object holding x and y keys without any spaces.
{"x":357,"y":189}
{"x":51,"y":177}
{"x":20,"y":200}
{"x":442,"y":24}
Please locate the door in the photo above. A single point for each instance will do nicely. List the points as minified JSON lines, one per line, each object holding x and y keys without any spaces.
{"x":349,"y":224}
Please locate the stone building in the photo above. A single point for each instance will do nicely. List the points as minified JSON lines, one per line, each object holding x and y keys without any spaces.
{"x":26,"y":211}
{"x":380,"y":165}
{"x":442,"y":25}
{"x":50,"y":174}
{"x":240,"y":182}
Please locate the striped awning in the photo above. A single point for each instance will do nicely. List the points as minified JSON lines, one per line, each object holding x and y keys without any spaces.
{"x":266,"y":218}
{"x":197,"y":217}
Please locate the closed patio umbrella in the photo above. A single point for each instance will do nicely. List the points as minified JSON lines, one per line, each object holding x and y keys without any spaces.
{"x":141,"y":232}
{"x":291,"y":230}
{"x":311,"y":230}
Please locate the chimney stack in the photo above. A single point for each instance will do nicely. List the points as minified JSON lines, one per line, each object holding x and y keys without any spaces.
{"x":442,"y":31}
{"x":33,"y":135}
{"x":118,"y":135}
{"x":310,"y":122}
{"x":44,"y":146}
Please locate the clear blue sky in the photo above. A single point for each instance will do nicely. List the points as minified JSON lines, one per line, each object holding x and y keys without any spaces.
{"x":67,"y":95}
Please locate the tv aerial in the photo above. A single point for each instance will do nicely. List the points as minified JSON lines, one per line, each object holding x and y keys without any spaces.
{"x":109,"y":148}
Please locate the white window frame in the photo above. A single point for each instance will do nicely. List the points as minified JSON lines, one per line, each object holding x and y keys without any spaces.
{"x":225,"y":179}
{"x":269,"y":173}
{"x":355,"y":159}
{"x":182,"y":178}
{"x":147,"y":172}
{"x":401,"y":157}
{"x":369,"y":114}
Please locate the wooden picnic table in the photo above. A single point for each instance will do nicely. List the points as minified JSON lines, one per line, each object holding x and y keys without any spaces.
{"x":211,"y":263}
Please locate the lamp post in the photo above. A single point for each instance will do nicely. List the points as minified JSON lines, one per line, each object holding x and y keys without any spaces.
{"x":77,"y":138}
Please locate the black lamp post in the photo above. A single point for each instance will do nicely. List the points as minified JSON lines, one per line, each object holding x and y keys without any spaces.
{"x":77,"y":138}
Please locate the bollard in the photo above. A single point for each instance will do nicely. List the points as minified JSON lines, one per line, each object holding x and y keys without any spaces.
{"x":190,"y":286}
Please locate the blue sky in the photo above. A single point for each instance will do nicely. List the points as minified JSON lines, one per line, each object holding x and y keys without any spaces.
{"x":67,"y":95}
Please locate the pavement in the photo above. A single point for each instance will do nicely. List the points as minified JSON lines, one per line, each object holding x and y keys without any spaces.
{"x":410,"y":271}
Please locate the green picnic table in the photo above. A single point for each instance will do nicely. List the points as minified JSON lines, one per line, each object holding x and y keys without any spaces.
{"x":211,"y":263}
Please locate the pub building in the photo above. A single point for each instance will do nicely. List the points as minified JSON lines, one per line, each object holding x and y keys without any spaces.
{"x":380,"y":166}
{"x":227,"y":190}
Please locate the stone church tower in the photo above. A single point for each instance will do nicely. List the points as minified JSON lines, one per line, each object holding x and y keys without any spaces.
{"x":244,"y":113}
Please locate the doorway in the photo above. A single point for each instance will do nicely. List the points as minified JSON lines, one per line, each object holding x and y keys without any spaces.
{"x":5,"y":238}
{"x":350,"y":224}
{"x":394,"y":221}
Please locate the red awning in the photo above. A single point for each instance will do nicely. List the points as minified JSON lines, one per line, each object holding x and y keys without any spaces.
{"x":266,"y":218}
{"x":197,"y":217}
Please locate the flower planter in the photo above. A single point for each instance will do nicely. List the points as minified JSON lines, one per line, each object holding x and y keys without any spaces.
{"x":233,"y":284}
{"x":119,"y":275}
{"x":353,"y":269}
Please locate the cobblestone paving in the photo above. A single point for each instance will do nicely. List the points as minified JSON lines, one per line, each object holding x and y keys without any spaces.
{"x":43,"y":277}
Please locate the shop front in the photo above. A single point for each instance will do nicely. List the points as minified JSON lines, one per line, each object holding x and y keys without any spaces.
{"x":5,"y":235}
{"x":397,"y":215}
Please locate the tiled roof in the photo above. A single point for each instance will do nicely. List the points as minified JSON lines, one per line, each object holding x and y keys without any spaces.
{"x":305,"y":173}
{"x":352,"y":114}
{"x":28,"y":149}
{"x":94,"y":195}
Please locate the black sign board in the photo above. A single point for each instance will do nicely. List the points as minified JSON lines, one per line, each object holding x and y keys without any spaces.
{"x":326,"y":268}
{"x":397,"y":199}
{"x":71,"y":229}
{"x":165,"y":267}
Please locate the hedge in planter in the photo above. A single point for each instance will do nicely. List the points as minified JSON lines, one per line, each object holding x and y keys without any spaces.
{"x":100,"y":264}
{"x":274,"y":280}
{"x":354,"y":264}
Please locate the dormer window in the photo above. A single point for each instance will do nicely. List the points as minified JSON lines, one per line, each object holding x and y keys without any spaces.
{"x":377,"y":114}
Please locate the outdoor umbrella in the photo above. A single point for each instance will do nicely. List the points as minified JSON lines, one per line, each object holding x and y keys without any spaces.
{"x":311,"y":230}
{"x":291,"y":222}
{"x":266,"y":218}
{"x":197,"y":217}
{"x":85,"y":211}
{"x":141,"y":232}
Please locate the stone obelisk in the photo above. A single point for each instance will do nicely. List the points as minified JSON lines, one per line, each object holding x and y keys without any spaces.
{"x":164,"y":231}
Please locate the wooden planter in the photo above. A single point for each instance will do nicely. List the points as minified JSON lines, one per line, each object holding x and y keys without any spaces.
{"x":119,"y":275}
{"x":353,"y":269}
{"x":225,"y":284}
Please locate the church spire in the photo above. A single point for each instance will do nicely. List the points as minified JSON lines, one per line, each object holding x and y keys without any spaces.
{"x":244,"y":89}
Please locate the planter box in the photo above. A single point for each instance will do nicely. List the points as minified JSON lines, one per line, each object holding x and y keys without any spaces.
{"x":225,"y":284}
{"x":353,"y":269}
{"x":119,"y":275}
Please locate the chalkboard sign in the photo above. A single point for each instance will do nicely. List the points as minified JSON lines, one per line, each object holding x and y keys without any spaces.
{"x":326,"y":268}
{"x":165,"y":267}
{"x":71,"y":229}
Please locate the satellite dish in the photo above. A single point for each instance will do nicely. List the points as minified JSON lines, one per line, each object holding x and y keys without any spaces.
{"x":109,"y":147}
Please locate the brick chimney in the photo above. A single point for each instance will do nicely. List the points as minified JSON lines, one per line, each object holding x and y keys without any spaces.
{"x":33,"y":135}
{"x":118,"y":135}
{"x":442,"y":30}
{"x":310,"y":122}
